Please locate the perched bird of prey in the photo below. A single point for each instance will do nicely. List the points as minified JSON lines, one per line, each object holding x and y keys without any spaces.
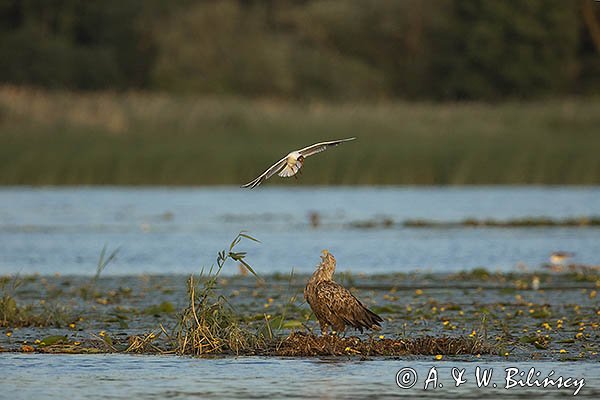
{"x":291,"y":164}
{"x":333,"y":304}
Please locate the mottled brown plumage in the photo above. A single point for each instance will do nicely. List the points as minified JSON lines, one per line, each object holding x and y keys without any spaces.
{"x":333,"y":305}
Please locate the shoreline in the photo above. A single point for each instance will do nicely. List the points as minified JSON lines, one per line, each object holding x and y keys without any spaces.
{"x":501,"y":312}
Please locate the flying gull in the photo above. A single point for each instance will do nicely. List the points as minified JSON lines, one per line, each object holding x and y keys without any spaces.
{"x":291,"y":164}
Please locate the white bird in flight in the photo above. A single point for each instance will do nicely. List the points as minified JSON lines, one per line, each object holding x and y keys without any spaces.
{"x":291,"y":164}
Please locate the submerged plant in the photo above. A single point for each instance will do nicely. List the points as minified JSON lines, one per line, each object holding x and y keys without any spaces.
{"x":208,"y":324}
{"x":8,"y":306}
{"x":18,"y":315}
{"x":103,"y":261}
{"x":88,"y":291}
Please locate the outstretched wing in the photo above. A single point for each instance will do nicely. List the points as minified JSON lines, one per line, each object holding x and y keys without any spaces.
{"x":319,"y":147}
{"x":346,"y":307}
{"x":272,"y":170}
{"x":281,"y":164}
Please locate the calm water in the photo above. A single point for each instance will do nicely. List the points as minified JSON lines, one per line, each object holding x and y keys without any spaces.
{"x":178,"y":230}
{"x":27,"y":376}
{"x":164,"y":230}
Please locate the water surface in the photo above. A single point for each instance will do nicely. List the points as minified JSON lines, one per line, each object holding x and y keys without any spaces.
{"x":38,"y":376}
{"x":178,"y":230}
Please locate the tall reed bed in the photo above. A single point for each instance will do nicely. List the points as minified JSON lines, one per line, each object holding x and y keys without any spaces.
{"x":145,"y":138}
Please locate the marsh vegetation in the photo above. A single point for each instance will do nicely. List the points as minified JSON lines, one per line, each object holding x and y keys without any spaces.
{"x":467,"y":314}
{"x":61,"y":138}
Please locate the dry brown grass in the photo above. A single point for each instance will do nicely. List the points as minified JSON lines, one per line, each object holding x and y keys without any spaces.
{"x":210,"y":328}
{"x":307,"y":345}
{"x":147,"y":343}
{"x":209,"y":325}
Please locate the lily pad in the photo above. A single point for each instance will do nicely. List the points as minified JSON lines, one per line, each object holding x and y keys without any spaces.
{"x":292,"y":324}
{"x":52,"y":340}
{"x":166,"y":307}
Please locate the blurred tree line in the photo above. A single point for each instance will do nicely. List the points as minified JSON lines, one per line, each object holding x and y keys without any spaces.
{"x":354,"y":49}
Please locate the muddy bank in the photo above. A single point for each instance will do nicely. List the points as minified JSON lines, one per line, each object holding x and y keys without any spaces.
{"x":446,"y":313}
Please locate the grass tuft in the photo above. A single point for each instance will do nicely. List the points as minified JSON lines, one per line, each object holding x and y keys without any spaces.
{"x":13,"y":314}
{"x":209,"y":324}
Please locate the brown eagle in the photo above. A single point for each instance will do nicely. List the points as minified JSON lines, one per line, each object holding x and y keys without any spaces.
{"x":333,"y":304}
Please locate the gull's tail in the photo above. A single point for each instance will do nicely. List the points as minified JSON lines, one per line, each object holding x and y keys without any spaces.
{"x":290,"y":169}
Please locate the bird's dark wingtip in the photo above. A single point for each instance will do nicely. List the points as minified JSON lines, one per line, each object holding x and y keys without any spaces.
{"x":249,"y":185}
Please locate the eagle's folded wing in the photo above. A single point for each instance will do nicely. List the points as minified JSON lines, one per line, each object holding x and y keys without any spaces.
{"x":345,"y":306}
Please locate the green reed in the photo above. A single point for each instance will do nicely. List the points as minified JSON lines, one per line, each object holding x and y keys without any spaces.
{"x":141,"y":138}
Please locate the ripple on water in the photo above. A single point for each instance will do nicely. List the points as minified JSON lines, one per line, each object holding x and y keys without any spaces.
{"x":177,"y":230}
{"x":158,"y":377}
